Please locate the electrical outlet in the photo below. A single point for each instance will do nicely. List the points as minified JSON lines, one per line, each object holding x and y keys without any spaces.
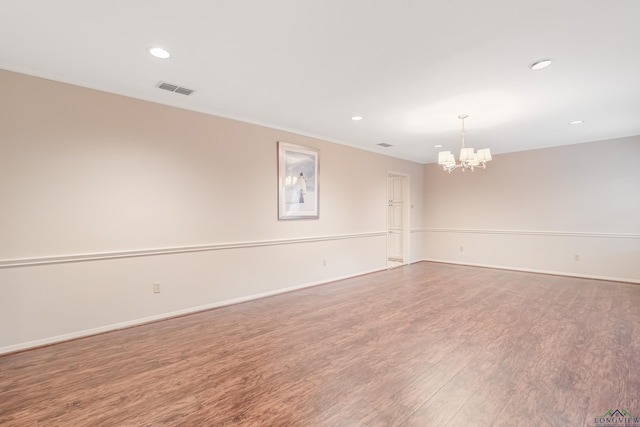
{"x":324,"y":262}
{"x":461,"y":248}
{"x":576,"y":257}
{"x":156,"y":288}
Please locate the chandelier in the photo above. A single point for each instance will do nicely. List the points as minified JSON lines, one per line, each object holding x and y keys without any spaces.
{"x":468,"y":159}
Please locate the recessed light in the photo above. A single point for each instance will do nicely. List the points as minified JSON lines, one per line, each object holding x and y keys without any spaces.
{"x":159,"y":52}
{"x":356,"y":118}
{"x":539,"y":65}
{"x":438,"y":146}
{"x":576,"y":122}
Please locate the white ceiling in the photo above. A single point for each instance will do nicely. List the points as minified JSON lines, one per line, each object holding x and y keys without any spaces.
{"x":409,"y":67}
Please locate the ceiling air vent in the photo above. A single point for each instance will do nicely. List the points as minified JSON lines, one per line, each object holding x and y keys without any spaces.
{"x":385,"y":145}
{"x":175,"y":88}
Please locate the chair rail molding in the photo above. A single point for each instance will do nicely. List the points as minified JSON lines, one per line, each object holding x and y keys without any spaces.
{"x":28,"y":262}
{"x":533,"y":233}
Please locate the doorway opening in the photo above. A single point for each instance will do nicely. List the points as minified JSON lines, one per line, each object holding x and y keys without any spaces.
{"x":398,"y":210}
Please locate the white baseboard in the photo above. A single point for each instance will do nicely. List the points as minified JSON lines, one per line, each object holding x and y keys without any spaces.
{"x":529,"y":270}
{"x":164,"y":316}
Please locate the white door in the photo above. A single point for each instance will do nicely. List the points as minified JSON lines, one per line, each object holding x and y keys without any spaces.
{"x":396,"y":219}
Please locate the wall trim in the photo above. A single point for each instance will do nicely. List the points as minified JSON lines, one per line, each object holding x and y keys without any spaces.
{"x":165,"y":316}
{"x":61,"y":259}
{"x":530,"y":270}
{"x":532,"y":233}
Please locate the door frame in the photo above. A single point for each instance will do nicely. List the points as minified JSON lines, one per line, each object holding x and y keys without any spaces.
{"x":406,"y":214}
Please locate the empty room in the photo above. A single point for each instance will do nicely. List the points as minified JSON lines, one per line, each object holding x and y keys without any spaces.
{"x":319,"y":213}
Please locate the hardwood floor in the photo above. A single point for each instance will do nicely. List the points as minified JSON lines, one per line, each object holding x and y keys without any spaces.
{"x":422,"y":345}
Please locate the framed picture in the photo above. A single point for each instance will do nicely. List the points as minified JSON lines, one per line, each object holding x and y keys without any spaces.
{"x":298,"y":183}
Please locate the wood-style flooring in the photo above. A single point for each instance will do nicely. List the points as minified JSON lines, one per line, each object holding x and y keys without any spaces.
{"x":422,"y":345}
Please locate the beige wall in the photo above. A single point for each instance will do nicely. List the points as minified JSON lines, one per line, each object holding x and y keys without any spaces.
{"x":537,"y":210}
{"x":90,"y":175}
{"x":102,"y":195}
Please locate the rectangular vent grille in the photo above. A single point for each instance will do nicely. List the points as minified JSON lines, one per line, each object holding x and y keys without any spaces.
{"x":175,"y":88}
{"x":385,"y":145}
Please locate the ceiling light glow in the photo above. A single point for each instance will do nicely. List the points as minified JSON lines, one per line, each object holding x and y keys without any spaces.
{"x":539,"y":65}
{"x":159,"y":52}
{"x":356,"y":118}
{"x":576,"y":122}
{"x":438,"y":146}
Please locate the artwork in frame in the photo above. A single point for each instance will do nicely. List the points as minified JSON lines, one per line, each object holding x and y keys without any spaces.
{"x":298,"y":182}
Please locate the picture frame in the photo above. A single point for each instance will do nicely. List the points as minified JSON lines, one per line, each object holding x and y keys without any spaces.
{"x":298,"y":182}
